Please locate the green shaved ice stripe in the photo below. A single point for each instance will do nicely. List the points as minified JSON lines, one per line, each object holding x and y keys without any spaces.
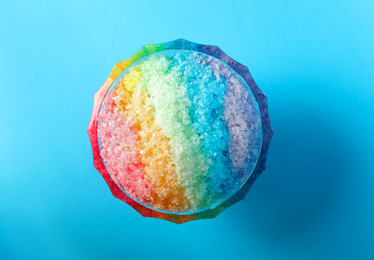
{"x":169,"y":98}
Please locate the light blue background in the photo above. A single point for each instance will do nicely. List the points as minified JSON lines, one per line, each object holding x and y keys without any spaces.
{"x":314,"y":61}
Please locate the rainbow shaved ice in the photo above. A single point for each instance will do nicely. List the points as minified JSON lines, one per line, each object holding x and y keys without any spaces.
{"x":180,"y":132}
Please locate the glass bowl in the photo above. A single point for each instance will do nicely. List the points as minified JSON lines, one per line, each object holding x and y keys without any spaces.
{"x":252,"y":173}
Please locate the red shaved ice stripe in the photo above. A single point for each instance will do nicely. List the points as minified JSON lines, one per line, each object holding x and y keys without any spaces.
{"x":117,"y":136}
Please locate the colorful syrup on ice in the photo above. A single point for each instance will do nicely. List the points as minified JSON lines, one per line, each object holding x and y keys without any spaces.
{"x":180,"y":131}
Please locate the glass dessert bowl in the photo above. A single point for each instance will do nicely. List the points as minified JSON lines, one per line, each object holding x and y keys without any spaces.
{"x":180,"y":131}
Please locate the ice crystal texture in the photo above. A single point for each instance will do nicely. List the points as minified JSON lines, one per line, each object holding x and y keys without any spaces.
{"x":180,"y":132}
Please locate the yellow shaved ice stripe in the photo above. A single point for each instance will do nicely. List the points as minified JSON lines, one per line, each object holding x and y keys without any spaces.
{"x":152,"y":146}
